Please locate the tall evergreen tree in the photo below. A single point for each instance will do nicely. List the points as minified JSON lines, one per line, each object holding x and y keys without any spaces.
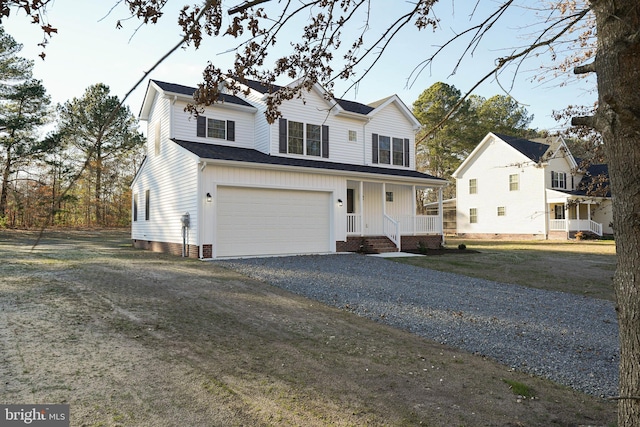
{"x":102,"y":130}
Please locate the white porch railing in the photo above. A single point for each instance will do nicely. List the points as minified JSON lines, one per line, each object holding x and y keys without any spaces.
{"x":391,"y":229}
{"x":576,"y":225}
{"x":354,"y":224}
{"x":420,"y":224}
{"x":409,"y":224}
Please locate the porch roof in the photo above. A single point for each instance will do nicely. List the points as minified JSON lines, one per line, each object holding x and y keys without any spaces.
{"x":556,"y":196}
{"x":236,"y":154}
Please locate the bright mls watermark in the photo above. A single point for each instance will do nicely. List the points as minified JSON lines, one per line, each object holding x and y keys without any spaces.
{"x":34,"y":415}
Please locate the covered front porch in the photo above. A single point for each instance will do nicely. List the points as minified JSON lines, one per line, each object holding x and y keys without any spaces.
{"x":390,"y":210}
{"x":572,"y":214}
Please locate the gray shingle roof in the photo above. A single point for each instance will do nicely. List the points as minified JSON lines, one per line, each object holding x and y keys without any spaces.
{"x":533,"y":150}
{"x":223,"y":152}
{"x":187,"y":90}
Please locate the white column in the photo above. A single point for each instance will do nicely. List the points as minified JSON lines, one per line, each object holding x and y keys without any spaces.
{"x":361,"y":210}
{"x":441,"y":213}
{"x":384,"y":199}
{"x":413,"y":188}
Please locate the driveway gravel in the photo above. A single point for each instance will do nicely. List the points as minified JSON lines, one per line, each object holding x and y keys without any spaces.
{"x":567,"y":338}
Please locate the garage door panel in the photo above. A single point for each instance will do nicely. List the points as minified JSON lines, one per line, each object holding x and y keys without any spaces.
{"x":267,"y":222}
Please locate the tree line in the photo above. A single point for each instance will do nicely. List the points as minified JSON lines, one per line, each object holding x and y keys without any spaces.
{"x":64,"y":165}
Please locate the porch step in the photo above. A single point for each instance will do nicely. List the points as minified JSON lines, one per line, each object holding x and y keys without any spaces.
{"x":379,"y":245}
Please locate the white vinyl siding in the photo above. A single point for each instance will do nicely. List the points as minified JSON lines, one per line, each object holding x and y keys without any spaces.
{"x":185,"y":125}
{"x":524,"y":209}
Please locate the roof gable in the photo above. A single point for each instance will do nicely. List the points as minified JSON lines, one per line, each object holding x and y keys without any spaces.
{"x":168,"y":89}
{"x":529,"y":150}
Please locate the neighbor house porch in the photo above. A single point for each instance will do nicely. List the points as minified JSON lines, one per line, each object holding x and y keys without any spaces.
{"x":390,"y":210}
{"x":571,"y":214}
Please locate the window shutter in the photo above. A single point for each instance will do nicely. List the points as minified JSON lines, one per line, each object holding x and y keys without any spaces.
{"x":283,"y":135}
{"x":406,"y":152}
{"x":202,"y":126}
{"x":374,"y":148}
{"x":564,"y":182}
{"x":325,"y":141}
{"x":231,"y":130}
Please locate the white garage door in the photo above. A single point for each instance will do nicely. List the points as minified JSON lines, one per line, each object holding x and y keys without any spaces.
{"x":253,"y":221}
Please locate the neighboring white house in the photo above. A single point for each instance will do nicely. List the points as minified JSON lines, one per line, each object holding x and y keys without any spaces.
{"x":515,"y":188}
{"x":326,"y":176}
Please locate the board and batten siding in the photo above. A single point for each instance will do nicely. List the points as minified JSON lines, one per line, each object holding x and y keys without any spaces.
{"x":525,"y":209}
{"x":172,"y":183}
{"x":185,"y":125}
{"x":314,"y":109}
{"x":390,"y":122}
{"x":215,"y":176}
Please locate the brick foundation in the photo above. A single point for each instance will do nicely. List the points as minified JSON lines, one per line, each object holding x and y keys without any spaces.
{"x":409,"y":243}
{"x":166,"y":247}
{"x":495,"y":236}
{"x":354,"y":243}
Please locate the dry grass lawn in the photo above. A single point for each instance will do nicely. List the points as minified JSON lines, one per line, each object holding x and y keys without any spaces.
{"x":580,"y":267}
{"x":133,"y":338}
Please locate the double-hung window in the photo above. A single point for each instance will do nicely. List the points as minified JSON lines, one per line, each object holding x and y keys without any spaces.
{"x":473,"y":215}
{"x":473,"y":186}
{"x":306,"y":139}
{"x":558,"y":180}
{"x":387,"y":150}
{"x":314,"y":141}
{"x":208,"y":127}
{"x":514,"y":182}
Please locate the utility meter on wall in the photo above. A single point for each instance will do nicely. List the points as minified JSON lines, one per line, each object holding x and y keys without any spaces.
{"x":184,"y":219}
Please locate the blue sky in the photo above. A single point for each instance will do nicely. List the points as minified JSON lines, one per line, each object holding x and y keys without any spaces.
{"x":89,"y":49}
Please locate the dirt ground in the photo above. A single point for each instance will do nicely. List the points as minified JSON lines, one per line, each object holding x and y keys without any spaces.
{"x":133,"y":338}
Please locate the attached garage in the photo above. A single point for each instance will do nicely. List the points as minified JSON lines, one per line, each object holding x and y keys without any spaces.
{"x":258,"y":221}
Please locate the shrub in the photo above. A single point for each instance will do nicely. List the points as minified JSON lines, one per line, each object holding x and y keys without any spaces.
{"x":462,"y":246}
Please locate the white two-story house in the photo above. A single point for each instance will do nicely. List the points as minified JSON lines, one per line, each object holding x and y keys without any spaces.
{"x":326,"y":177}
{"x":515,"y":188}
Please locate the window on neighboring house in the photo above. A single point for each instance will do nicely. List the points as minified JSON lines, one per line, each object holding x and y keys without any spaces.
{"x":389,"y":196}
{"x":558,"y":180}
{"x":135,"y":206}
{"x":147,"y":205}
{"x":473,"y":186}
{"x":387,"y":150}
{"x":215,"y":128}
{"x":353,"y":136}
{"x":502,"y":211}
{"x":304,"y":139}
{"x":473,"y":215}
{"x":559,"y":211}
{"x":514,"y":182}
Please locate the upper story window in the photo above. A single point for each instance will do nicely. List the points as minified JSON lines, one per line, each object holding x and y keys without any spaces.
{"x":388,"y":150}
{"x":353,"y":136}
{"x":558,"y":180}
{"x":473,"y":186}
{"x":214,"y":128}
{"x":304,"y":139}
{"x":514,"y":182}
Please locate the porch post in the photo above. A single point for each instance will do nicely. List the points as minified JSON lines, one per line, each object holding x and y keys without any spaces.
{"x":415,"y":211}
{"x":566,"y":217}
{"x":384,"y":198}
{"x":361,"y":209}
{"x":589,"y":211}
{"x":441,"y":213}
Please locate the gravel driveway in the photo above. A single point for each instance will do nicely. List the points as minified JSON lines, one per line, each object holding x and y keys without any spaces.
{"x":570,"y":339}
